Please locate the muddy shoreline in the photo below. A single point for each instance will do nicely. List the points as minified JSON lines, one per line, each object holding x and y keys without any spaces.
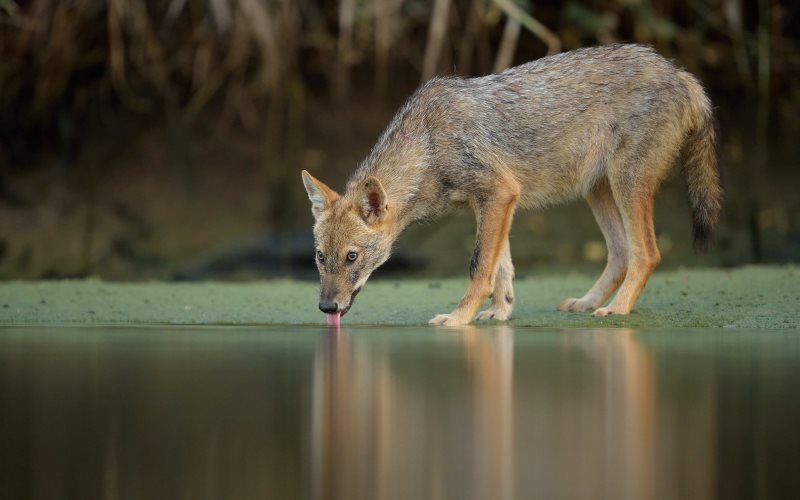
{"x":746,"y":297}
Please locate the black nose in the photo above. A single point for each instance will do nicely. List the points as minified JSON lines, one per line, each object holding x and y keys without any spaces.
{"x":328,"y":306}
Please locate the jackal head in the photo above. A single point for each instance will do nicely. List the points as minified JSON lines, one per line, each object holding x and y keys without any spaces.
{"x":351,"y":237}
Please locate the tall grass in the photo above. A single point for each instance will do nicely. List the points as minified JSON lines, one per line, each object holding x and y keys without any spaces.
{"x":249,"y":56}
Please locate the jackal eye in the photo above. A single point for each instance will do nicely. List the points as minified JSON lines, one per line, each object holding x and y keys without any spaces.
{"x":320,"y":257}
{"x":352,"y":256}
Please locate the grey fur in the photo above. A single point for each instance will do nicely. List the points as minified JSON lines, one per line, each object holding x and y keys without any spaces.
{"x":615,"y":117}
{"x":545,"y":120}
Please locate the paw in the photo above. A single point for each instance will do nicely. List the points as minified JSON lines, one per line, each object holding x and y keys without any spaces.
{"x":499,"y":313}
{"x":447,"y":320}
{"x":606,"y":311}
{"x":577,"y":305}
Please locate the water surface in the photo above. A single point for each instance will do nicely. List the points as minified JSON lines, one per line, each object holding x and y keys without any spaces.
{"x":398,"y":413}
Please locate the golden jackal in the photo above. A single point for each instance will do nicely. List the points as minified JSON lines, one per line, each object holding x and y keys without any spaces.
{"x":605,"y":123}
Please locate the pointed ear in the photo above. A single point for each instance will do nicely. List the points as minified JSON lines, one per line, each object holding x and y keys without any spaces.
{"x":372,"y":200}
{"x":321,"y":196}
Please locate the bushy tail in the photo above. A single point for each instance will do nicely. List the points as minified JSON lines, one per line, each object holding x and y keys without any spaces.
{"x":702,"y":169}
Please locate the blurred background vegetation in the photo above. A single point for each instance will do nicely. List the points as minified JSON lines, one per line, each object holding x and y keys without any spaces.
{"x":164,"y":139}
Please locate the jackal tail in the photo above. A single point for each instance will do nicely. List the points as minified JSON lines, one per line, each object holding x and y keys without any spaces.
{"x":702,"y":169}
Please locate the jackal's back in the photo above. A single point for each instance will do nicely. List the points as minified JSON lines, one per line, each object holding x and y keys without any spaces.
{"x":562,"y":122}
{"x":559,"y":124}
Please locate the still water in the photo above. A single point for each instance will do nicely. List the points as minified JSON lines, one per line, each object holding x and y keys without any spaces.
{"x":404,"y":413}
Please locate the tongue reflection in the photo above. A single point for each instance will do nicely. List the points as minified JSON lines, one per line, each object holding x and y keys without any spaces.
{"x":334,"y":319}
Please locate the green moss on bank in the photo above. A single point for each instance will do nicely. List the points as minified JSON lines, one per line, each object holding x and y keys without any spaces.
{"x":749,"y":297}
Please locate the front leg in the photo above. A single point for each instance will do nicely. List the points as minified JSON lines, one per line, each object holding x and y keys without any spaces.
{"x":494,"y":222}
{"x":503,"y":291}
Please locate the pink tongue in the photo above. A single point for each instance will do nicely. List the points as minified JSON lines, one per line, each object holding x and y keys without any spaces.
{"x":333,"y":318}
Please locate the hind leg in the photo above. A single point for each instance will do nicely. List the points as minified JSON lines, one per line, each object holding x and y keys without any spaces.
{"x":607,"y":214}
{"x":643,"y":256}
{"x":503,"y":291}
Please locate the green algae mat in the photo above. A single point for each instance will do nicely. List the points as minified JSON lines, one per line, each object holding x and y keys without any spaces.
{"x":748,"y":297}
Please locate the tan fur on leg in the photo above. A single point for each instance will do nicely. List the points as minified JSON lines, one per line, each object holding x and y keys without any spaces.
{"x":503,"y":291}
{"x":643,"y":255}
{"x":607,"y":214}
{"x":495,"y":217}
